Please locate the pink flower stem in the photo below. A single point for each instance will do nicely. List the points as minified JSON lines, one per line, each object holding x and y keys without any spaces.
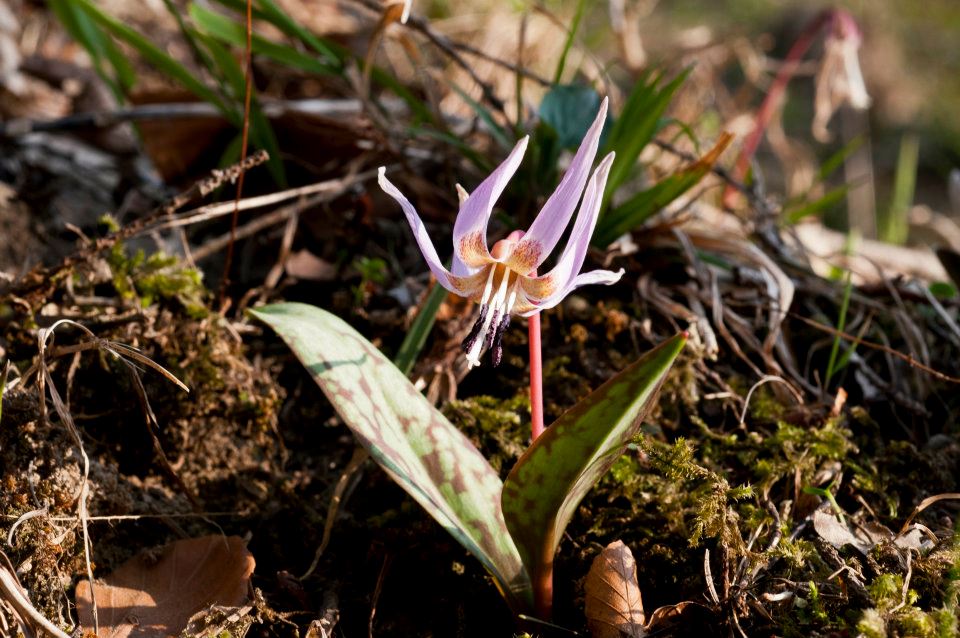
{"x":536,"y":377}
{"x":772,"y":102}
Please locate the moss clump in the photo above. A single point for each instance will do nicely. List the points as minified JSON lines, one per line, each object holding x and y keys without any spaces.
{"x":710,"y":495}
{"x":494,"y":426}
{"x":872,"y":624}
{"x":157,"y":277}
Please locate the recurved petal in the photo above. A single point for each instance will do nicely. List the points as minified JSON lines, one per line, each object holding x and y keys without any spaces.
{"x":446,"y":279}
{"x":547,"y":228}
{"x":470,"y":229}
{"x":571,"y":259}
{"x":605,"y":277}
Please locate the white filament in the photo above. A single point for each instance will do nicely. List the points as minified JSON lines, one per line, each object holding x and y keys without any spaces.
{"x":496,"y":307}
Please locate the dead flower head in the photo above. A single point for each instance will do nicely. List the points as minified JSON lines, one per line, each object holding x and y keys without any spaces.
{"x":839,"y":80}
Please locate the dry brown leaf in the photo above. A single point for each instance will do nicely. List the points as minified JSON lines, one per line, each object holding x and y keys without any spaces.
{"x":614,"y":607}
{"x":154,"y":596}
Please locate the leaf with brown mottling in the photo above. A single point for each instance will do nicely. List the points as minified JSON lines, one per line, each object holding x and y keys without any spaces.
{"x":551,"y":478}
{"x":408,"y":437}
{"x":154,"y":597}
{"x":614,"y":607}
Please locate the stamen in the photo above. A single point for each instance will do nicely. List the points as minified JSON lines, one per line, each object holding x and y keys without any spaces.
{"x":474,"y":331}
{"x":496,"y":343}
{"x":496,"y":352}
{"x":493,"y":329}
{"x":488,"y":288}
{"x":496,"y":307}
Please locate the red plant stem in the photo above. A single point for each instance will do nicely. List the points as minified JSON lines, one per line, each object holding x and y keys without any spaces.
{"x":536,"y":378}
{"x":772,"y":102}
{"x":543,"y":588}
{"x":244,"y":142}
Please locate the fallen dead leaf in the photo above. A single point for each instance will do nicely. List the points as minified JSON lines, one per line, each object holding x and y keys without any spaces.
{"x":153,"y":596}
{"x":863,"y":538}
{"x":614,"y":607}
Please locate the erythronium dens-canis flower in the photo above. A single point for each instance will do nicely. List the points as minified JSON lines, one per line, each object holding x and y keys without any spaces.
{"x":503,"y":279}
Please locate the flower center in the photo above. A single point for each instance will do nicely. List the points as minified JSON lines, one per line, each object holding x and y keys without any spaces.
{"x":494,"y":316}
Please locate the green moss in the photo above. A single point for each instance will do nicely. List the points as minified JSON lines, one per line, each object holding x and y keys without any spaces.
{"x":886,"y":590}
{"x":872,"y":624}
{"x":157,"y":277}
{"x":916,"y":622}
{"x":494,"y":426}
{"x":709,"y":494}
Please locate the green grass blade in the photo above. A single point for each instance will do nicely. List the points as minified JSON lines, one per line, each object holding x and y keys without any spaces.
{"x":817,"y":207}
{"x":841,"y":324}
{"x":497,"y":131}
{"x":409,"y":438}
{"x":836,"y":160}
{"x":641,"y":206}
{"x":234,"y":32}
{"x":157,"y":58}
{"x":477,"y":159}
{"x":568,"y":43}
{"x":894,"y":226}
{"x":638,"y":123}
{"x":552,"y":477}
{"x":420,"y":330}
{"x":101,"y":47}
{"x":261,"y":132}
{"x":269,"y":11}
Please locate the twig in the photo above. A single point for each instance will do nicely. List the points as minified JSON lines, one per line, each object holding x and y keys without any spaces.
{"x":925,"y":503}
{"x":876,"y":346}
{"x":767,"y":378}
{"x":42,"y":278}
{"x":14,"y":594}
{"x":244,"y":140}
{"x":334,"y":187}
{"x":272,"y":108}
{"x":448,"y":49}
{"x":131,"y":517}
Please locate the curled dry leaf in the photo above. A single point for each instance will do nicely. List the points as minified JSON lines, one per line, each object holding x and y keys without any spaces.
{"x":153,"y":596}
{"x":614,"y":607}
{"x":863,"y":537}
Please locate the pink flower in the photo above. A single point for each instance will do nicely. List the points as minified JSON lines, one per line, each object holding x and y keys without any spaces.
{"x":504,"y":280}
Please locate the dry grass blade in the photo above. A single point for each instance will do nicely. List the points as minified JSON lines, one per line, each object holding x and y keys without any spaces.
{"x":877,"y":346}
{"x":614,"y":607}
{"x":360,"y":456}
{"x":927,"y":502}
{"x":13,"y":594}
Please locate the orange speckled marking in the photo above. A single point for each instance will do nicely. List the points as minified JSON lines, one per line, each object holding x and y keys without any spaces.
{"x":539,"y":288}
{"x":525,"y":256}
{"x":472,"y":250}
{"x":472,"y":286}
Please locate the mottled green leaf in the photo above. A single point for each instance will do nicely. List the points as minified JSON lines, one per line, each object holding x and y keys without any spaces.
{"x":550,"y":479}
{"x":415,"y":444}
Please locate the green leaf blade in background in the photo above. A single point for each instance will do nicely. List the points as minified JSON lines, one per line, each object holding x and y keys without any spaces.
{"x":638,"y":123}
{"x":157,"y":57}
{"x":646,"y":203}
{"x":552,"y":477}
{"x":569,"y":109}
{"x":232,"y":32}
{"x":409,"y":438}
